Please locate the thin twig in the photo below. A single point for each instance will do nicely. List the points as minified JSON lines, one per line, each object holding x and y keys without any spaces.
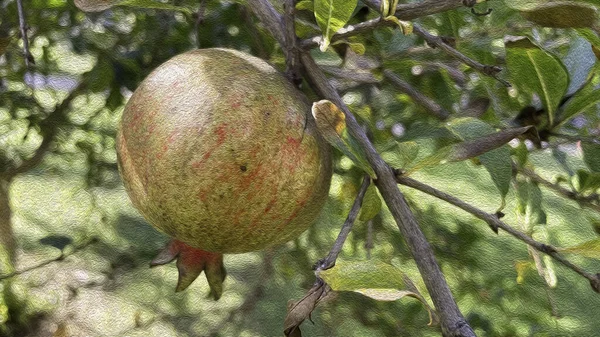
{"x":23,"y":27}
{"x":329,"y":261}
{"x":404,"y":12}
{"x":369,"y":241}
{"x":494,"y":222}
{"x":438,"y":42}
{"x":585,"y":201}
{"x":430,"y":105}
{"x":61,"y":257}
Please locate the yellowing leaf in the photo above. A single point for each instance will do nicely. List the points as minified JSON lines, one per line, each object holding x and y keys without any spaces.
{"x":588,"y":249}
{"x":331,"y":122}
{"x":522,"y":267}
{"x":405,"y":26}
{"x":375,"y":279}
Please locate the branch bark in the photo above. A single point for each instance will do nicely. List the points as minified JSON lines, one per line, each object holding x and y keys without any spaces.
{"x":436,"y":41}
{"x":582,"y":200}
{"x":494,"y":222}
{"x":430,"y":105}
{"x":329,"y":261}
{"x":451,"y":319}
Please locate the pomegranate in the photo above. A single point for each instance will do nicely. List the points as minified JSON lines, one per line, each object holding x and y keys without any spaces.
{"x":219,"y":151}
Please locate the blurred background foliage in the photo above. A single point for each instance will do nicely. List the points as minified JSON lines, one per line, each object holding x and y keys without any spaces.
{"x":60,"y":185}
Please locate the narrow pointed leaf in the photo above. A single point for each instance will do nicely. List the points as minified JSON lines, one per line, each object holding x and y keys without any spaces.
{"x":481,"y":145}
{"x":332,"y":15}
{"x":584,"y":99}
{"x":371,"y":204}
{"x":562,"y":14}
{"x":533,"y":70}
{"x":588,"y":249}
{"x":331,"y":122}
{"x":497,"y":161}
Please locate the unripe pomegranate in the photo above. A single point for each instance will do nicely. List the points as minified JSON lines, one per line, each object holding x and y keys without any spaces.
{"x":219,"y":151}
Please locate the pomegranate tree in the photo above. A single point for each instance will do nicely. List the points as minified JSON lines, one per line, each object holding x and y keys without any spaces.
{"x":217,"y":149}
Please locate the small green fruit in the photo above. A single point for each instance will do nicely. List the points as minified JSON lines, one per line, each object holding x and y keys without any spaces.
{"x":217,"y":150}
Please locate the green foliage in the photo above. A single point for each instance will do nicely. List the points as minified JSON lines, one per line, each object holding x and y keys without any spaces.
{"x":331,"y":16}
{"x":534,"y":70}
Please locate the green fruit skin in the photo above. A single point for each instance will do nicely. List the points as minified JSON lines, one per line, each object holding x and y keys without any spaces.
{"x":217,"y":149}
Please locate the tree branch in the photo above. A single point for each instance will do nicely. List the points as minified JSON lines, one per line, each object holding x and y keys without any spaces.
{"x":430,"y":105}
{"x":451,"y":319}
{"x":585,"y":201}
{"x":23,"y":28}
{"x":292,"y":61}
{"x":436,"y":41}
{"x":329,"y":261}
{"x":495,"y":223}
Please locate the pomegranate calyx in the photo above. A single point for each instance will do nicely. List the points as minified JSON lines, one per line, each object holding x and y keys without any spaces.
{"x":190,"y":264}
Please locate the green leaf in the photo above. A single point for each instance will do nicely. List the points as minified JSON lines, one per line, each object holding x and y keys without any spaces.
{"x":497,"y":161}
{"x":401,"y":154}
{"x":562,"y":14}
{"x":585,"y":181}
{"x":592,"y":38}
{"x":591,"y":156}
{"x":305,"y":5}
{"x":332,"y":15}
{"x":481,"y":145}
{"x":331,"y":122}
{"x":585,"y":98}
{"x":533,"y":70}
{"x":371,"y":204}
{"x":588,"y":249}
{"x":374,"y":279}
{"x":529,"y":205}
